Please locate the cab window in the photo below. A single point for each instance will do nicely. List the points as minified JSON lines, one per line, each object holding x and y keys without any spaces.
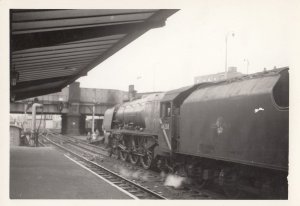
{"x":165,"y":109}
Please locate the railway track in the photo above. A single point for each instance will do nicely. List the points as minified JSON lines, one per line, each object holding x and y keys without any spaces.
{"x":79,"y":143}
{"x":91,"y":153}
{"x":154,"y":182}
{"x":135,"y":190}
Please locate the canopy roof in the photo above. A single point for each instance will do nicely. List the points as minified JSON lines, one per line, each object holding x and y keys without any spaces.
{"x":52,"y":48}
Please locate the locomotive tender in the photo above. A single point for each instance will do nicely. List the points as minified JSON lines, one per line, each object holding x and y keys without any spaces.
{"x":227,"y":131}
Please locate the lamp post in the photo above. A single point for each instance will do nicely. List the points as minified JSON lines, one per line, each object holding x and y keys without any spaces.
{"x":93,"y":123}
{"x":34,"y":134}
{"x":226,"y":40}
{"x":93,"y":117}
{"x":247,"y":64}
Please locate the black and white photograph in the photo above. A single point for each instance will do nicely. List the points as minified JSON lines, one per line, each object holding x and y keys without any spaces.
{"x":116,"y":101}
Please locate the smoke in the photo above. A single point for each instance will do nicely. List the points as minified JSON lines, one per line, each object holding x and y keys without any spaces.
{"x":174,"y":181}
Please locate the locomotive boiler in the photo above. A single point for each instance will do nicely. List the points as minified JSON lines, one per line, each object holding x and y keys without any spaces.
{"x":231,"y":132}
{"x":134,"y":127}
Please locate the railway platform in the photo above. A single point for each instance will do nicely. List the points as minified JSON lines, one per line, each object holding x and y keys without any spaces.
{"x":45,"y":173}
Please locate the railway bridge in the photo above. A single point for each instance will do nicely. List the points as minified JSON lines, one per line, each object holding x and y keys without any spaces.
{"x":73,"y":104}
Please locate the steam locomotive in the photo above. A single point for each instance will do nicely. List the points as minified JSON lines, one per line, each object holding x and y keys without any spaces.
{"x":232,"y":132}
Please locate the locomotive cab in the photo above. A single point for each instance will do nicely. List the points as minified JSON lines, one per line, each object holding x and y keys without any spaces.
{"x":170,"y":116}
{"x":166,"y":117}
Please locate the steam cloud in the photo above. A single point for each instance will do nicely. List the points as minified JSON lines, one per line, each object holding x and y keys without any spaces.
{"x":136,"y":175}
{"x":174,"y":181}
{"x":170,"y":180}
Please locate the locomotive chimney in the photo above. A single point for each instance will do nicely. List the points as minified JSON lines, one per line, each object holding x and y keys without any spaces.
{"x":131,"y":92}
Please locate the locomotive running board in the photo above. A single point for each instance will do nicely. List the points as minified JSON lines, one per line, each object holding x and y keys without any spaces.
{"x":165,"y":135}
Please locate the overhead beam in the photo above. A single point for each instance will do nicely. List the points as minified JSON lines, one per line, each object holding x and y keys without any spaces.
{"x":35,"y":93}
{"x":58,"y":55}
{"x":39,"y":82}
{"x":44,"y":71}
{"x":62,"y":51}
{"x":51,"y":38}
{"x":67,"y":46}
{"x":54,"y":63}
{"x":50,"y":67}
{"x":23,"y":15}
{"x":103,"y":40}
{"x":81,"y":57}
{"x":44,"y":76}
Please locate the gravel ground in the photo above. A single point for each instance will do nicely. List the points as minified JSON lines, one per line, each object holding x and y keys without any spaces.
{"x":170,"y":186}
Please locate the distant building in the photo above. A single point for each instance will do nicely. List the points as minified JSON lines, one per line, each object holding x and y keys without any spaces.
{"x":232,"y":72}
{"x":47,"y":121}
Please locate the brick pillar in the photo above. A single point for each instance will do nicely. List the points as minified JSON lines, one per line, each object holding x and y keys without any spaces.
{"x":63,"y":124}
{"x":71,"y":124}
{"x":82,"y":124}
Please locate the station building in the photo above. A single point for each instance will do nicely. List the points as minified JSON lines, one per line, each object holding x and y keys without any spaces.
{"x":232,"y":72}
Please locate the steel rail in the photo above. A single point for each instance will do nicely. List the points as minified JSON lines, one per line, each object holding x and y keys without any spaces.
{"x":83,"y":145}
{"x":136,"y":190}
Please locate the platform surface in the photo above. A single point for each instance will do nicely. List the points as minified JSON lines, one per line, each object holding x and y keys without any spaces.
{"x":45,"y":173}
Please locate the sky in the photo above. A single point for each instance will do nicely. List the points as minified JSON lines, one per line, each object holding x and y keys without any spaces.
{"x":192,"y":43}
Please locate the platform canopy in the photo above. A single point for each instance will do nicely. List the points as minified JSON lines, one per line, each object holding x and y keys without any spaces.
{"x":49,"y":49}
